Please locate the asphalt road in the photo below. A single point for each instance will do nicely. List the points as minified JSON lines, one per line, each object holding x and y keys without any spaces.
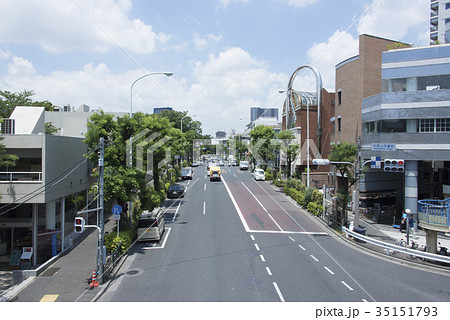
{"x":241,"y":240}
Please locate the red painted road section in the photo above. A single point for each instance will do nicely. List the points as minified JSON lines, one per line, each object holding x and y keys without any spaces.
{"x":270,"y":211}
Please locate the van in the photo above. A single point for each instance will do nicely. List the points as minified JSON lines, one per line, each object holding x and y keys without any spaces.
{"x":243,"y":165}
{"x":186,"y":173}
{"x":151,"y":225}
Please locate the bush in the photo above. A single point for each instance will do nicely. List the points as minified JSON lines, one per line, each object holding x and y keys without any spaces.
{"x":269,"y":175}
{"x":125,"y":239}
{"x":315,"y":208}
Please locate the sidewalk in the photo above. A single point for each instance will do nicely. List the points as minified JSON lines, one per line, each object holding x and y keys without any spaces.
{"x":66,"y":280}
{"x":388,"y":233}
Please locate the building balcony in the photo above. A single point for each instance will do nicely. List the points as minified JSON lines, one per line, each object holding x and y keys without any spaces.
{"x":20,"y":177}
{"x":434,"y":214}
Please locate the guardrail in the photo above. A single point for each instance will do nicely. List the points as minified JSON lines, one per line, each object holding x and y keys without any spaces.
{"x":393,"y":247}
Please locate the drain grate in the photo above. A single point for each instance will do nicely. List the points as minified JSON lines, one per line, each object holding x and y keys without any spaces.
{"x":49,"y":272}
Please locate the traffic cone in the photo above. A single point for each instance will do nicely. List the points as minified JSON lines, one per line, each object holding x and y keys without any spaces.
{"x":94,"y":282}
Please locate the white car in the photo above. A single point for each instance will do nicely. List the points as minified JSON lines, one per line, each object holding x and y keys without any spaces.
{"x":259,"y":174}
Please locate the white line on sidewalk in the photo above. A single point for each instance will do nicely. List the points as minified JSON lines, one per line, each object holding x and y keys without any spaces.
{"x":278,"y":291}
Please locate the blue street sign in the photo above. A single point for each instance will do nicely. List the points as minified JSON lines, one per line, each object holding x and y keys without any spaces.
{"x":384,"y":147}
{"x":116,"y":209}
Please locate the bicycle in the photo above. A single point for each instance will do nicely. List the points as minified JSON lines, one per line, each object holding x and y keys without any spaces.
{"x":414,"y":245}
{"x":398,"y":242}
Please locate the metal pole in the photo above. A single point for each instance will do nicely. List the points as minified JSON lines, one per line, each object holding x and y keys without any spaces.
{"x":307,"y":143}
{"x":101,"y":220}
{"x":357,"y":169}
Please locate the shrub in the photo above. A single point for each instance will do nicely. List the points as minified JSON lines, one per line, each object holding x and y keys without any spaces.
{"x":315,"y":208}
{"x":269,"y":175}
{"x":125,"y":239}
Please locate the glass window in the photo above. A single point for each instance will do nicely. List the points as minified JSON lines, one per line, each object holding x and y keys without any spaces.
{"x":447,"y":6}
{"x":426,"y":125}
{"x":393,"y":125}
{"x":442,"y":125}
{"x":433,"y":82}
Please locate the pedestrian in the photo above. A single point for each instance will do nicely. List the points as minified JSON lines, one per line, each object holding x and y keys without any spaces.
{"x":404,"y":219}
{"x":412,"y":224}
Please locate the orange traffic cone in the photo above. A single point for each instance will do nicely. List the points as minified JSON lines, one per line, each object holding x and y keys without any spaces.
{"x":94,"y":282}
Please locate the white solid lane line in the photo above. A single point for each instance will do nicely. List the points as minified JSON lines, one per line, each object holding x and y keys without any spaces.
{"x":278,"y":291}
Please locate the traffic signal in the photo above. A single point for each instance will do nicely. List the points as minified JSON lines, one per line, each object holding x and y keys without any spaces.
{"x":394,"y":165}
{"x":79,"y":225}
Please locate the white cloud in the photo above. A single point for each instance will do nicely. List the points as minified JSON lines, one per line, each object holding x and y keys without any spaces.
{"x":395,"y":19}
{"x":224,"y":3}
{"x":204,"y":42}
{"x":21,"y":67}
{"x":227,"y":85}
{"x":64,"y":25}
{"x":326,"y":55}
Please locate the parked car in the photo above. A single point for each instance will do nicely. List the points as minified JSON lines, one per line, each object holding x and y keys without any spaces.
{"x":234,"y":163}
{"x":186,"y":173}
{"x":195,"y":164}
{"x":259,"y":174}
{"x":175,"y":191}
{"x":151,"y":225}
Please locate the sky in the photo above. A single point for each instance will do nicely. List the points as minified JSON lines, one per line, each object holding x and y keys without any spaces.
{"x":226,"y":55}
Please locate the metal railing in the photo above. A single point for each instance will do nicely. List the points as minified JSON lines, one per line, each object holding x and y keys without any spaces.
{"x":21,"y":176}
{"x":434,"y":211}
{"x":396,"y":248}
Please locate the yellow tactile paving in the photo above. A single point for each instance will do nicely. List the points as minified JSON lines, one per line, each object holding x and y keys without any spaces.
{"x":49,"y":298}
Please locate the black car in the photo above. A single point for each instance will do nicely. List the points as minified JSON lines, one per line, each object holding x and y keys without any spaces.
{"x":175,"y":191}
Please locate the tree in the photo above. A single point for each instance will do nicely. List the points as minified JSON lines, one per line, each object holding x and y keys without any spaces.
{"x":261,"y":137}
{"x":289,"y":148}
{"x":8,"y":101}
{"x":50,"y":128}
{"x":344,"y":152}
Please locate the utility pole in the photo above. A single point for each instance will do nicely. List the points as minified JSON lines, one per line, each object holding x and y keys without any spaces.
{"x":101,"y":220}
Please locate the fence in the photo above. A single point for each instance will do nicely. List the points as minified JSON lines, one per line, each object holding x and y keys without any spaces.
{"x":434,"y":211}
{"x":393,"y":247}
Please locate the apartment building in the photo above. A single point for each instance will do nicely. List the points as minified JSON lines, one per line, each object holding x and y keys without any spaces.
{"x":439,"y":21}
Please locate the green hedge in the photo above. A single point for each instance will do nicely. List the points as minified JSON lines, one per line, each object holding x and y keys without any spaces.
{"x":309,"y":198}
{"x":112,"y":242}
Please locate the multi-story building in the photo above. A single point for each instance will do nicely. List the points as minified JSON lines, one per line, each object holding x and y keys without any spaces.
{"x":357,"y":78}
{"x":440,"y":21}
{"x":42,"y":193}
{"x":410,"y":120}
{"x":258,"y":112}
{"x":160,"y":109}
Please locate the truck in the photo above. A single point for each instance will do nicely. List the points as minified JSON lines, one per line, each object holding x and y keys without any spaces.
{"x":243,"y":165}
{"x":215,"y":173}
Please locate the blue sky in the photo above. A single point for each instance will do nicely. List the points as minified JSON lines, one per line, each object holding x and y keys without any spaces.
{"x":226,"y":55}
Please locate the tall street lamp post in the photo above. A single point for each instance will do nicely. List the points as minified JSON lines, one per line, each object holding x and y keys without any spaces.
{"x":131,"y":105}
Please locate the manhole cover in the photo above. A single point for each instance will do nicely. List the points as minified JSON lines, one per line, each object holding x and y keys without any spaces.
{"x":133,"y":272}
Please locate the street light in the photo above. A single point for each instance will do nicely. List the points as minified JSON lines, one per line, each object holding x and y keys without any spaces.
{"x":182,"y":120}
{"x":131,"y":104}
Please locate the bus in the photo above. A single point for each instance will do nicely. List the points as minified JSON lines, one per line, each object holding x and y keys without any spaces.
{"x":151,"y":225}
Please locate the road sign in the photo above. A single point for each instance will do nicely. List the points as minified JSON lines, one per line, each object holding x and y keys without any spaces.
{"x":375,"y":162}
{"x":116,"y":210}
{"x":384,"y":147}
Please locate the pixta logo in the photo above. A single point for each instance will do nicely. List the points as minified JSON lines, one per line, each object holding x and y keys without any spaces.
{"x":147,"y":144}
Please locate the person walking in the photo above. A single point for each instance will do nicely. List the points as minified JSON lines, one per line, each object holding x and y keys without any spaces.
{"x":404,"y":220}
{"x":412,"y":225}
